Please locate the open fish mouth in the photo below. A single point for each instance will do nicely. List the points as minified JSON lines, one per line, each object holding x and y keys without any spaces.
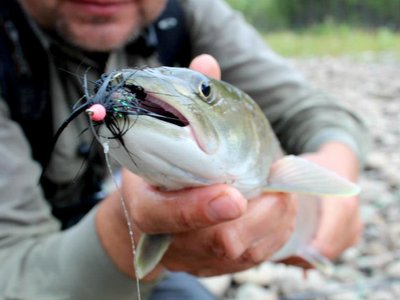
{"x":123,"y":99}
{"x":163,"y":111}
{"x":152,"y":105}
{"x":128,"y":101}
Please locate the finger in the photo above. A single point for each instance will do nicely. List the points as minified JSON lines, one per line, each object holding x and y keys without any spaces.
{"x":155,"y":211}
{"x":268,"y":219}
{"x":207,"y":65}
{"x":235,"y":245}
{"x":334,"y":237}
{"x":265,"y":248}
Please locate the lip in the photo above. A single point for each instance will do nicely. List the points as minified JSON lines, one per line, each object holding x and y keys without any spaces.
{"x":98,"y":8}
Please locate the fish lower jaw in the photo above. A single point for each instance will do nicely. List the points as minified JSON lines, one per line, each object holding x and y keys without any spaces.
{"x":207,"y":143}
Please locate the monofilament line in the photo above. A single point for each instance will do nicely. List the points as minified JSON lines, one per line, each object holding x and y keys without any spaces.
{"x":126,"y":214}
{"x":106,"y":148}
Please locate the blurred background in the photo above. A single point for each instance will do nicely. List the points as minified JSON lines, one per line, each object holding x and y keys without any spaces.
{"x":304,"y":28}
{"x":350,"y":48}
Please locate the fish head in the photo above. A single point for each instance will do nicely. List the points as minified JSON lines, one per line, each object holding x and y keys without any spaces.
{"x":184,"y":98}
{"x":187,"y":129}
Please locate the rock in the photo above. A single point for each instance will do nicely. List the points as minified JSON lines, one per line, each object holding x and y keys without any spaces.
{"x":345,"y":295}
{"x":349,"y":256}
{"x":250,"y":291}
{"x":314,"y":280}
{"x":346,"y":273}
{"x":372,"y":252}
{"x":394,"y":235}
{"x":264,"y":274}
{"x":376,"y":160}
{"x":217,"y":285}
{"x":380,"y":295}
{"x":292,"y":280}
{"x":375,"y":261}
{"x":392,"y":175}
{"x":393,"y":269}
{"x":368,"y":212}
{"x":395,"y":288}
{"x":371,"y":190}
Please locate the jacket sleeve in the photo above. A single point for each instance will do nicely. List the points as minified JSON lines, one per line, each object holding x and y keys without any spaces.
{"x":303,"y":118}
{"x":37,"y":260}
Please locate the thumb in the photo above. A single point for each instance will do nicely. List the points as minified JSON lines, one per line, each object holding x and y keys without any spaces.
{"x":207,"y":65}
{"x":156,"y":211}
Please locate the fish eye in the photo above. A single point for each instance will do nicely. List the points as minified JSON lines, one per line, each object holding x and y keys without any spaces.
{"x":205,"y":89}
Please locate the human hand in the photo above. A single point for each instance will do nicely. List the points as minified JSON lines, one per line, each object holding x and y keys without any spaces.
{"x":340,"y":225}
{"x":213,"y":232}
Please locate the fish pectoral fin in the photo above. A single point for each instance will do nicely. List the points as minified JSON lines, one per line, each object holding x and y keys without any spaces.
{"x":295,"y":174}
{"x":149,"y":252}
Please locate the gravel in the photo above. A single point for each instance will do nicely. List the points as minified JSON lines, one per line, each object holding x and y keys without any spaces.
{"x":371,"y":269}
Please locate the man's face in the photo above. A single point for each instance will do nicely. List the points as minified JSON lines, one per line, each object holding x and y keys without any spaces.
{"x":95,"y":25}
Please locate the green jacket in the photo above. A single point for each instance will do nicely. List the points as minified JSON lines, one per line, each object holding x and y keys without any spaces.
{"x":37,"y":259}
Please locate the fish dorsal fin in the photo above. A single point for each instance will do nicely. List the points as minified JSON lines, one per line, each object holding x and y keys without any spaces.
{"x":294,"y":174}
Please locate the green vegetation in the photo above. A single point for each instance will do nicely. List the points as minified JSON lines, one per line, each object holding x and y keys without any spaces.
{"x":326,"y":27}
{"x":334,"y":40}
{"x":300,"y":14}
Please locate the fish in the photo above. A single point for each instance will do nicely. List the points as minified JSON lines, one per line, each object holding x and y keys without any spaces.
{"x":177,"y":128}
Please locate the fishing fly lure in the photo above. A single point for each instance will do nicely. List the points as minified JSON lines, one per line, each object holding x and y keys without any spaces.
{"x":114,"y":98}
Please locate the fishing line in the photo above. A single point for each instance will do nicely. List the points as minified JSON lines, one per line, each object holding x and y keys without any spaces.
{"x":106,"y":148}
{"x":64,"y":125}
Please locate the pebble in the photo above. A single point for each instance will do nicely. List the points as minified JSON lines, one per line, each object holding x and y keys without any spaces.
{"x":376,"y":160}
{"x":393,"y":269}
{"x":217,"y":285}
{"x":395,"y":288}
{"x":251,"y":291}
{"x":394,"y":233}
{"x":347,"y":295}
{"x":380,"y":295}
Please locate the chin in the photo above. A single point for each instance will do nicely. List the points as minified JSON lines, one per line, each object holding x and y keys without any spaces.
{"x":100,"y":44}
{"x":99,"y":38}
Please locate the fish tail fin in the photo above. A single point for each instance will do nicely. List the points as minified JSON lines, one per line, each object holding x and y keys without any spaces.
{"x":149,"y":252}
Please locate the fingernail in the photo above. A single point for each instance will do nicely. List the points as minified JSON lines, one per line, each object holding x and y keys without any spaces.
{"x":223,"y":208}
